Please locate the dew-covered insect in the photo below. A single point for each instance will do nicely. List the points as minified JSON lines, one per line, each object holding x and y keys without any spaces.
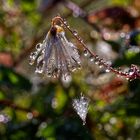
{"x":56,"y":56}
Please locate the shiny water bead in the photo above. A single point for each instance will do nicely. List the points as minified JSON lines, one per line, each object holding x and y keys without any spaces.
{"x":97,"y":57}
{"x":100,"y":65}
{"x":68,"y":26}
{"x":67,"y":81}
{"x":31,"y":61}
{"x":80,"y":39}
{"x":73,"y":68}
{"x":48,"y":74}
{"x":85,"y":53}
{"x":79,"y":62}
{"x":81,"y":107}
{"x":97,"y":61}
{"x":79,"y":65}
{"x":107,"y":70}
{"x":39,"y":69}
{"x":38,"y":46}
{"x":131,"y":72}
{"x":65,"y":77}
{"x":127,"y":78}
{"x":91,"y":58}
{"x":65,"y":22}
{"x":39,"y":59}
{"x":75,"y":32}
{"x":33,"y":56}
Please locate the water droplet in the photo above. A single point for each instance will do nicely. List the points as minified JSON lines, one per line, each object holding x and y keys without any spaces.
{"x":107,"y":70}
{"x":40,"y":60}
{"x":85,"y":53}
{"x":84,"y":122}
{"x":39,"y":69}
{"x":38,"y":46}
{"x":75,"y":32}
{"x":61,"y":25}
{"x":66,"y":79}
{"x":33,"y":55}
{"x":91,"y":58}
{"x":96,"y":61}
{"x":73,"y":69}
{"x":100,"y":65}
{"x":43,"y":51}
{"x":79,"y":66}
{"x":68,"y":26}
{"x":31,"y":61}
{"x":131,"y":73}
{"x":79,"y":62}
{"x":127,"y":78}
{"x":65,"y":22}
{"x":49,"y":74}
{"x":97,"y":57}
{"x":79,"y":38}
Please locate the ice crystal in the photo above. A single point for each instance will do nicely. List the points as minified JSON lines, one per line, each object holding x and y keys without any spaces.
{"x":81,"y":107}
{"x":56,"y":56}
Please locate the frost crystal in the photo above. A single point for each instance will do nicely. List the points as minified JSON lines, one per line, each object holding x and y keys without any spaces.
{"x":56,"y":56}
{"x":81,"y":107}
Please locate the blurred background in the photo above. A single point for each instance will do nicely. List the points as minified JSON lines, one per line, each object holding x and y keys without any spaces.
{"x":33,"y":107}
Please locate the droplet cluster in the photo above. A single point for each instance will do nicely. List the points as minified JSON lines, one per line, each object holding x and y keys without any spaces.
{"x":38,"y":56}
{"x":133,"y":72}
